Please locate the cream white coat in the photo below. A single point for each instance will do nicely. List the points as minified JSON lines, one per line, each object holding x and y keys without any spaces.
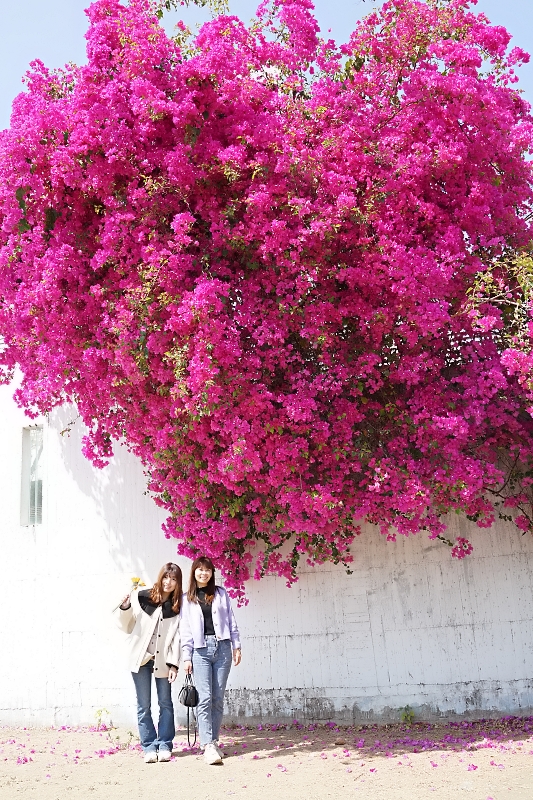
{"x":140,"y":627}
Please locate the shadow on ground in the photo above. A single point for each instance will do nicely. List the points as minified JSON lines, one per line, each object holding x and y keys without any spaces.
{"x":369,"y":741}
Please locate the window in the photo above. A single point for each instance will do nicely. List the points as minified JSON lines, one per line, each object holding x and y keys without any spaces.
{"x":31,"y":507}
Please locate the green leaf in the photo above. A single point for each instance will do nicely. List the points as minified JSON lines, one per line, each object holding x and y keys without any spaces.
{"x":50,"y":219}
{"x":20,"y":194}
{"x":191,"y":134}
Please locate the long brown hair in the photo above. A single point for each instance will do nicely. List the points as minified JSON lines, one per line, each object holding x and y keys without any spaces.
{"x":192,"y":593}
{"x":156,"y":592}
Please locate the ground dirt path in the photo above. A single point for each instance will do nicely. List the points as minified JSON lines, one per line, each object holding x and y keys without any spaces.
{"x":489,"y":760}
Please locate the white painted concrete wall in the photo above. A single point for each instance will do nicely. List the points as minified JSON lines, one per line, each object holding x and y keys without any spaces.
{"x":411,"y":626}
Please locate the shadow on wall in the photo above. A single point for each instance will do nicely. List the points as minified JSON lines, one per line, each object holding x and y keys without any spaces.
{"x":113,"y":499}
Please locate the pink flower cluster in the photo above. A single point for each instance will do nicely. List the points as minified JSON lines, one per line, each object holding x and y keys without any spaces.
{"x":249,"y":260}
{"x":461,"y":548}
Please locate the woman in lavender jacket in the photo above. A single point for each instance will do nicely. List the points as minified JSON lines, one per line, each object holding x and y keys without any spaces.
{"x":209,"y":641}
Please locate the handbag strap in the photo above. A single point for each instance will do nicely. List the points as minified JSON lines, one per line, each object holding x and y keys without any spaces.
{"x":190,"y":682}
{"x":189,"y":729}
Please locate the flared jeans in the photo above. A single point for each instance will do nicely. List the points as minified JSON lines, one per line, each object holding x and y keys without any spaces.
{"x":150,"y":740}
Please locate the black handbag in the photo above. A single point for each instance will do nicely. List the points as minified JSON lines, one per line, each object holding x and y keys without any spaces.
{"x":188,"y":697}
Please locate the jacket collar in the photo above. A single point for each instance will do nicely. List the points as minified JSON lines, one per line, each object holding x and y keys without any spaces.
{"x":148,"y":605}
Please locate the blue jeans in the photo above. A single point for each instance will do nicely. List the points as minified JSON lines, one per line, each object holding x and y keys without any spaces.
{"x":150,"y":740}
{"x":211,"y":665}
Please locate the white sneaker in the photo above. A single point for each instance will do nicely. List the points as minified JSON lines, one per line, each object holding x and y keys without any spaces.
{"x":150,"y":757}
{"x":164,"y":755}
{"x":218,"y":748}
{"x":211,"y":755}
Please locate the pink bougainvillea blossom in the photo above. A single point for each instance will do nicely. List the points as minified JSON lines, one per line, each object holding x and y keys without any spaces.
{"x":461,"y":548}
{"x":252,"y":258}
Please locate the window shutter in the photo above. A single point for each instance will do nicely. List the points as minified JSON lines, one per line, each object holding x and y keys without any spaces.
{"x":31,"y":511}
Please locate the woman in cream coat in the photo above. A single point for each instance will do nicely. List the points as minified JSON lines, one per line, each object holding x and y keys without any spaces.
{"x":151,"y":618}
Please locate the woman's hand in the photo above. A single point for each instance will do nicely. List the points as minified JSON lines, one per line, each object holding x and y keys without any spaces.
{"x":172,"y":674}
{"x":125,"y":604}
{"x":187,"y":666}
{"x":237,"y":657}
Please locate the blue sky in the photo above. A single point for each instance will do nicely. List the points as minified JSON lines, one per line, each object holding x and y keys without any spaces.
{"x":53,"y":31}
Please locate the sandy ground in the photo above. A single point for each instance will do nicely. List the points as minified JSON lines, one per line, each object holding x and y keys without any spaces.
{"x":491,"y":760}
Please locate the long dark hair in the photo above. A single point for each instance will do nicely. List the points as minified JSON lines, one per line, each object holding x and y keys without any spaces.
{"x":192,"y":593}
{"x":156,"y":592}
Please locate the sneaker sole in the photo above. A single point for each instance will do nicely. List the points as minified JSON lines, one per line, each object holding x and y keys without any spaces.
{"x":212,"y":761}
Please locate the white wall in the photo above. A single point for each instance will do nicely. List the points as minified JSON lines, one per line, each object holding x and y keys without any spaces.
{"x":411,"y":626}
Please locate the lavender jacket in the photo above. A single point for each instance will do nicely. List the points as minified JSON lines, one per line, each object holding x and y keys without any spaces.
{"x":192,"y":623}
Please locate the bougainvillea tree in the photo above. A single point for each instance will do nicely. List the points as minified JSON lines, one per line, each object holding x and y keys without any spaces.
{"x":257,"y":258}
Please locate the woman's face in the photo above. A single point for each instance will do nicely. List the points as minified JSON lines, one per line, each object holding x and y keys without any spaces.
{"x":169,"y":583}
{"x":202,"y":575}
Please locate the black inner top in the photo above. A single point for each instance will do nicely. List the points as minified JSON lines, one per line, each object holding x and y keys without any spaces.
{"x":207,"y":611}
{"x":148,"y":605}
